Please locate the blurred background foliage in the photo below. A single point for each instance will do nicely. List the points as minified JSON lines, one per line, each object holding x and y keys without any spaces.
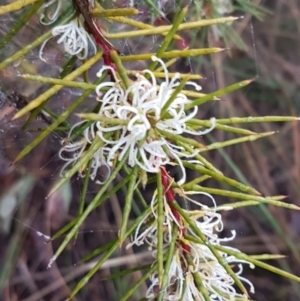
{"x":264,"y":46}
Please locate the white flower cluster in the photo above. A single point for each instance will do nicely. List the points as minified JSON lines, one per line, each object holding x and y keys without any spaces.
{"x":139,"y":109}
{"x":181,"y":284}
{"x":74,"y":38}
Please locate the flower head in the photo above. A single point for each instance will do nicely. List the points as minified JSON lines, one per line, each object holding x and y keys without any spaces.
{"x":74,"y":38}
{"x":181,"y":281}
{"x":139,"y":109}
{"x":143,"y":119}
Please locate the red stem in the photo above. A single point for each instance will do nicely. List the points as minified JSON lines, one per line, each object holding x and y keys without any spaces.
{"x":83,"y":8}
{"x":100,"y":41}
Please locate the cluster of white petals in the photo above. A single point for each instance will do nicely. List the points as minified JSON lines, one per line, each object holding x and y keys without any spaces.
{"x":216,"y":280}
{"x":74,"y":38}
{"x":139,"y":112}
{"x":140,"y":107}
{"x":181,"y":284}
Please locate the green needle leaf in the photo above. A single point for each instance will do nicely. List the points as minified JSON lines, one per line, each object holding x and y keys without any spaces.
{"x":218,"y":93}
{"x":88,"y":210}
{"x":170,"y":253}
{"x":56,"y":81}
{"x":114,"y":12}
{"x":22,"y":21}
{"x":168,"y":38}
{"x":172,"y":54}
{"x":56,"y":123}
{"x":117,"y":275}
{"x":95,"y":268}
{"x":160,"y":228}
{"x":198,"y":280}
{"x":248,"y":258}
{"x":99,"y":250}
{"x":84,"y":191}
{"x":243,"y":196}
{"x":64,"y":229}
{"x":221,"y":127}
{"x":177,"y":90}
{"x":139,"y":282}
{"x":167,"y":28}
{"x":128,"y":203}
{"x":16,"y":5}
{"x":114,"y":246}
{"x":220,"y":178}
{"x":121,"y":70}
{"x":251,"y":119}
{"x":46,"y":95}
{"x":220,"y":145}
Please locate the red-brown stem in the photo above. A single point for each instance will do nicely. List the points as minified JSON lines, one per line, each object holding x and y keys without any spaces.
{"x":106,"y":47}
{"x":83,"y":8}
{"x":170,"y":199}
